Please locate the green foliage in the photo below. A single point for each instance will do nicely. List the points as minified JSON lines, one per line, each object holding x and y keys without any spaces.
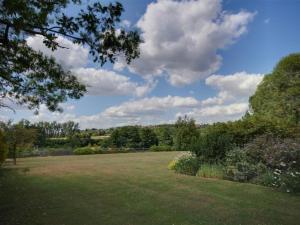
{"x":18,"y":137}
{"x":276,"y":153}
{"x":165,"y":134}
{"x":55,"y":129}
{"x":281,"y":156}
{"x":86,"y":151}
{"x":266,"y":160}
{"x":161,"y":148}
{"x":213,"y":143}
{"x":238,"y":166}
{"x":277,"y":98}
{"x":31,"y":78}
{"x":186,"y":131}
{"x":148,"y":137}
{"x":127,"y":136}
{"x":56,"y":142}
{"x":79,"y":140}
{"x":186,"y":163}
{"x":3,"y":148}
{"x":211,"y":171}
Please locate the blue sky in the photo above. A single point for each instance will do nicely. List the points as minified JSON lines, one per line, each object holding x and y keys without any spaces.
{"x":201,"y":58}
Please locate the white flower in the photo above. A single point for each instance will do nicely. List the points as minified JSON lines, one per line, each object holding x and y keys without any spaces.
{"x":282,"y":164}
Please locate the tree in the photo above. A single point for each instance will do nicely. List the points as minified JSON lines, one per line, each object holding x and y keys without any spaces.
{"x":277,"y":98}
{"x":18,"y":138}
{"x":213,"y":142}
{"x":132,"y":134}
{"x":31,"y":78}
{"x":165,"y":135}
{"x":186,"y":131}
{"x":148,"y":137}
{"x":3,"y":148}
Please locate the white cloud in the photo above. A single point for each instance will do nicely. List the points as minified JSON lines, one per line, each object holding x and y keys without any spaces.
{"x":218,"y":113}
{"x":107,"y":83}
{"x":46,"y":115}
{"x":181,"y":39}
{"x":231,"y":101}
{"x":99,"y":81}
{"x":233,"y":87}
{"x":72,"y":56}
{"x":150,"y":106}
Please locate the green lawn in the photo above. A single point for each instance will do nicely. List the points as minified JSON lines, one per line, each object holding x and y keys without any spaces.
{"x":131,"y":189}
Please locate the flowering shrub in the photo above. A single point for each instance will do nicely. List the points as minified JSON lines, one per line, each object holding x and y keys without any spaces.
{"x":186,"y":163}
{"x":238,"y":167}
{"x":269,"y":161}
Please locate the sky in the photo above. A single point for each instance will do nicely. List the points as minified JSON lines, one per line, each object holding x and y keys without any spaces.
{"x":201,"y":58}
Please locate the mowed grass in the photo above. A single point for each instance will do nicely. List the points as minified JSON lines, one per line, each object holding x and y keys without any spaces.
{"x":132,"y":189}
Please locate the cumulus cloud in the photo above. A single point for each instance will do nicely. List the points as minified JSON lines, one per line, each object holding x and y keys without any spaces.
{"x":107,"y":83}
{"x":231,"y":100}
{"x":150,"y":106}
{"x":185,"y":42}
{"x":99,"y":81}
{"x":72,"y":56}
{"x":46,"y":115}
{"x":233,"y":87}
{"x":218,"y":113}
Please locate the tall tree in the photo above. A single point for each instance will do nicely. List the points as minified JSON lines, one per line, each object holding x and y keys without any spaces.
{"x":148,"y":137}
{"x":186,"y":132}
{"x":278,"y":95}
{"x":31,"y":78}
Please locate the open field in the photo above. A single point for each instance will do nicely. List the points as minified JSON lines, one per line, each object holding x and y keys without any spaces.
{"x":132,"y":189}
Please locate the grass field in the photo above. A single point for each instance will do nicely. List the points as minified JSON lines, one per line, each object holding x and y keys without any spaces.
{"x":131,"y":189}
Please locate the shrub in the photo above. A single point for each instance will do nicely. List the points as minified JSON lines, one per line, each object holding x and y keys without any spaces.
{"x":269,"y":161}
{"x":86,"y":151}
{"x":212,"y":144}
{"x":275,"y":153}
{"x":186,"y":163}
{"x":161,"y":148}
{"x":211,"y":171}
{"x":238,"y":167}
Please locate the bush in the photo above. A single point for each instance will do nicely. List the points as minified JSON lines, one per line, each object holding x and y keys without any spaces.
{"x":161,"y":148}
{"x":275,"y":153}
{"x":212,"y":144}
{"x":238,"y":167}
{"x":211,"y":171}
{"x":86,"y":151}
{"x":186,"y":163}
{"x":267,"y":160}
{"x":56,"y":142}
